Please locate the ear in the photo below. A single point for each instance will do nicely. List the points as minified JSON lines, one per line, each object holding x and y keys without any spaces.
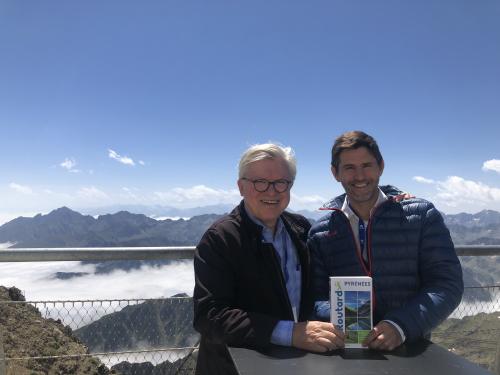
{"x":334,"y":173}
{"x":240,"y":186}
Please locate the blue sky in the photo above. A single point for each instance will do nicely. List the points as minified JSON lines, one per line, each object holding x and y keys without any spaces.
{"x":106,"y":102}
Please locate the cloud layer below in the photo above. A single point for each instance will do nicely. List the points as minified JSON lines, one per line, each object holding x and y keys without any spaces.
{"x":36,"y":280}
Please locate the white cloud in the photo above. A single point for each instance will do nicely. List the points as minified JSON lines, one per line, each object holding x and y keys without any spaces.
{"x":456,"y":191}
{"x":492,"y":165}
{"x":306,"y":202}
{"x":23,"y":189}
{"x":199,"y":195}
{"x":122,"y":159}
{"x":130,"y":194}
{"x":142,"y":162}
{"x":423,"y":180}
{"x":37,"y":280}
{"x":69,"y":165}
{"x":91,"y":193}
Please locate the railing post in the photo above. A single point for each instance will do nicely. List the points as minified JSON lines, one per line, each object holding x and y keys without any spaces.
{"x":497,"y":360}
{"x":2,"y":356}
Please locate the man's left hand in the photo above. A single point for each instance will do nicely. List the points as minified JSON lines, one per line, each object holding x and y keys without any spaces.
{"x":403,"y":197}
{"x":384,"y":336}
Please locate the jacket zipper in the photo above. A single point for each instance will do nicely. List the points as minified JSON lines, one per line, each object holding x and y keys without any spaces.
{"x":366,"y":270}
{"x":369,"y":245}
{"x":369,"y":230}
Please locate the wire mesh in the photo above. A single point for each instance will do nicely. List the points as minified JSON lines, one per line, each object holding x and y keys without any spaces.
{"x":473,"y":330}
{"x":150,"y":336}
{"x":135,"y":336}
{"x":155,"y":336}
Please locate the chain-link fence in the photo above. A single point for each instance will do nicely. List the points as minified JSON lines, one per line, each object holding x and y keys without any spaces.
{"x":478,"y":299}
{"x":473,"y":330}
{"x":148,"y":336}
{"x":155,"y":336}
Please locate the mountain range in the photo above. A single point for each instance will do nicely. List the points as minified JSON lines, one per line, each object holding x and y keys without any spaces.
{"x":67,"y":228}
{"x":159,"y":212}
{"x":64,"y":227}
{"x":168,"y":324}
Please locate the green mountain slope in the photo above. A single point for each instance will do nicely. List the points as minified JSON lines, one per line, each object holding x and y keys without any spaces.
{"x":26,"y":334}
{"x":476,"y":338}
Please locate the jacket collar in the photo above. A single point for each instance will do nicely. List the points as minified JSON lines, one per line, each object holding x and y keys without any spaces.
{"x":349,"y":212}
{"x":240,"y":212}
{"x":338,"y":202}
{"x":287,"y":219}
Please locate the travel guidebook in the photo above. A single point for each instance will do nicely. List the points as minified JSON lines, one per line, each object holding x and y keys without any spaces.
{"x":351,"y":307}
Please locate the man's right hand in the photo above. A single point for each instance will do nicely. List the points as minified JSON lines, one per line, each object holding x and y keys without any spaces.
{"x":317,"y":336}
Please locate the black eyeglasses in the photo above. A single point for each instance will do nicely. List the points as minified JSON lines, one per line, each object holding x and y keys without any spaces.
{"x":262,"y":185}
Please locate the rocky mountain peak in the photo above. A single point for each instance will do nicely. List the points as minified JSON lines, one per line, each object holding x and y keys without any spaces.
{"x":25,"y":333}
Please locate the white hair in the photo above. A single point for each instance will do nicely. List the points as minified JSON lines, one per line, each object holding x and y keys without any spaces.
{"x":268,"y":151}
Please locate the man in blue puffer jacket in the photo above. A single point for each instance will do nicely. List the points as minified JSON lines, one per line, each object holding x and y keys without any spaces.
{"x":403,"y":245}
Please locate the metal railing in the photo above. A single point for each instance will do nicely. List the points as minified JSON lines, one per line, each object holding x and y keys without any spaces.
{"x":95,"y":253}
{"x":148,"y":253}
{"x":158,"y":349}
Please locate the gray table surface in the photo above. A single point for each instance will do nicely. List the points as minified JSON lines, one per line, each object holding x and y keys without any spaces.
{"x":423,"y":357}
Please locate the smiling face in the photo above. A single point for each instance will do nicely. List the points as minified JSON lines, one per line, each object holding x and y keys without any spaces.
{"x":266,"y":206}
{"x":359,"y":174}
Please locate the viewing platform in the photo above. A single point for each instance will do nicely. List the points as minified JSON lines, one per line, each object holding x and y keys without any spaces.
{"x":115,"y":333}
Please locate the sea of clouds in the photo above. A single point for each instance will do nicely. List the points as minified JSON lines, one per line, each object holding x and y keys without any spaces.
{"x":37,"y":282}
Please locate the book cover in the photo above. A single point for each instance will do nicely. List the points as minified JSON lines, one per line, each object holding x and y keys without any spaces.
{"x":351,"y":307}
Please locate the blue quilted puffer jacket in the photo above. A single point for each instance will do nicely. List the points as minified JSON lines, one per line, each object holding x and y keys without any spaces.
{"x":417,"y":278}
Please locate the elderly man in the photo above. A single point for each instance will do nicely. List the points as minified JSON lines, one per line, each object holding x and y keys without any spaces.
{"x":252,"y":270}
{"x":403,"y":245}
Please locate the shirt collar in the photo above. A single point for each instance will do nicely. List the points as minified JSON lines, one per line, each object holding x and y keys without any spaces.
{"x":347,"y":210}
{"x":266,"y":232}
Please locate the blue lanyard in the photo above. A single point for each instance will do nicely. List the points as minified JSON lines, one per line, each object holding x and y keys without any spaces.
{"x":362,"y":235}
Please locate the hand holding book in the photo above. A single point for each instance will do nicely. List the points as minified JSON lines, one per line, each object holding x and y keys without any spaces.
{"x":317,"y":336}
{"x":384,"y":336}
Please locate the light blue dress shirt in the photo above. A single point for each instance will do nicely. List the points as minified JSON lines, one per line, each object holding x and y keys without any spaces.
{"x":290,"y":268}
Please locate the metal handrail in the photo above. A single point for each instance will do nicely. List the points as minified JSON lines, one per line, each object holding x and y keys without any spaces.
{"x":95,"y":253}
{"x":477,"y":250}
{"x":148,"y":253}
